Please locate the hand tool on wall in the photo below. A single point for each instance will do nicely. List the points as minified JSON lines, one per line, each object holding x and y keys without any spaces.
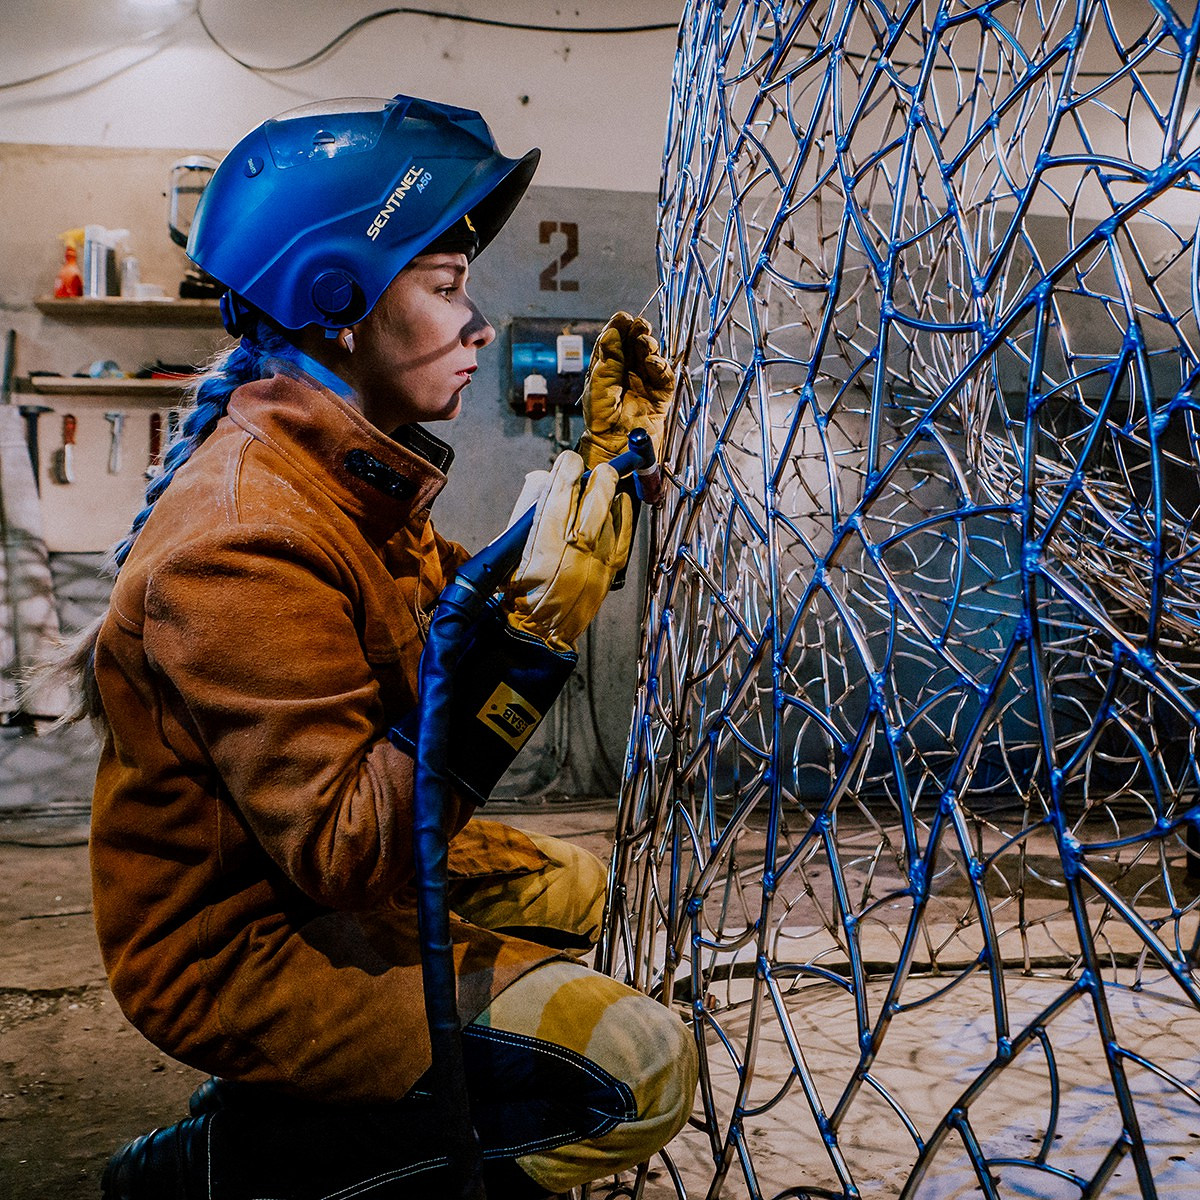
{"x":116,"y":421}
{"x":64,"y":456}
{"x":10,"y":360}
{"x":31,"y":412}
{"x":154,"y":466}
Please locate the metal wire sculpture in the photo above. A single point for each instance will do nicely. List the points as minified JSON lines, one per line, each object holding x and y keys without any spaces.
{"x":912,"y":775}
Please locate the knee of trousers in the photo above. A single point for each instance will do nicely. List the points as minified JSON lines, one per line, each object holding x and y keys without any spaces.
{"x":664,"y":1082}
{"x":566,"y":895}
{"x":643,"y":1044}
{"x":576,"y":883}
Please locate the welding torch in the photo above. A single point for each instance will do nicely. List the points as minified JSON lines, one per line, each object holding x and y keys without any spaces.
{"x":459,"y":608}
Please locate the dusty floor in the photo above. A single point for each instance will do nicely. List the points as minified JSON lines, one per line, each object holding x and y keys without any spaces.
{"x":76,"y":1080}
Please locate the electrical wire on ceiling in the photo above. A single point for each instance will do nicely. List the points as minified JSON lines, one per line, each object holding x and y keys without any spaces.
{"x":362,"y":22}
{"x":524,"y":26}
{"x":194,"y":10}
{"x":406,"y":11}
{"x":149,"y":36}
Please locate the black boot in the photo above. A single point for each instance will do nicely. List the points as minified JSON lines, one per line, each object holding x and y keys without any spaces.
{"x":208,"y":1097}
{"x":216,"y":1093}
{"x":245,"y":1140}
{"x":168,"y":1164}
{"x":237,"y":1152}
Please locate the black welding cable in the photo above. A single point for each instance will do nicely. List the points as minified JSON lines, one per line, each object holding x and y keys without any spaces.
{"x":459,"y":607}
{"x":456,"y":612}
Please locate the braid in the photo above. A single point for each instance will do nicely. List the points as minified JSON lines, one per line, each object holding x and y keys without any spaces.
{"x":210,"y":398}
{"x":75,"y":662}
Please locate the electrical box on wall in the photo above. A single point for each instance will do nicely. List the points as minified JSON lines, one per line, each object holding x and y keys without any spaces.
{"x":549,"y":358}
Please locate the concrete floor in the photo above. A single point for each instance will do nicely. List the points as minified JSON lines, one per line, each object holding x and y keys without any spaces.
{"x":76,"y":1080}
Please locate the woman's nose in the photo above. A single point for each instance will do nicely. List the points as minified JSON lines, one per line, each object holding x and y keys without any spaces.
{"x":478,"y":331}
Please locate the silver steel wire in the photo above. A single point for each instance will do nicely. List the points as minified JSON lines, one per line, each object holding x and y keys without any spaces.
{"x":911,"y":789}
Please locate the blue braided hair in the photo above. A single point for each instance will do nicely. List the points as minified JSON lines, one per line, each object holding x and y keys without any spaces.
{"x":243,"y":363}
{"x":74,"y":664}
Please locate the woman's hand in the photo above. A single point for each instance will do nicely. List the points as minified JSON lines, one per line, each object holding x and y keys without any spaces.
{"x":629,"y":385}
{"x":580,"y":539}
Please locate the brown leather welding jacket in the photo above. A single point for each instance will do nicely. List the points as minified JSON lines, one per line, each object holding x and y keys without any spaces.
{"x":252,"y":825}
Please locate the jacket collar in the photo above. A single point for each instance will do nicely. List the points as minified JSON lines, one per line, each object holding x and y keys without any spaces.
{"x":382,"y":482}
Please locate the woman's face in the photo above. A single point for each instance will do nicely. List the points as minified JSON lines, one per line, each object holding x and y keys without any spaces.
{"x":415,"y":351}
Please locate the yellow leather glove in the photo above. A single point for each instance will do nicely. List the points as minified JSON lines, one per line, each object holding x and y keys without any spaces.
{"x":580,"y":539}
{"x":629,"y":385}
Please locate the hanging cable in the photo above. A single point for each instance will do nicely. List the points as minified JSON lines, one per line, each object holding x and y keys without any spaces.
{"x":404,"y":11}
{"x":458,"y":609}
{"x":149,"y":36}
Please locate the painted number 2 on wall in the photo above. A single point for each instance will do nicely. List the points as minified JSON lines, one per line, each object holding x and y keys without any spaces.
{"x":551,"y":279}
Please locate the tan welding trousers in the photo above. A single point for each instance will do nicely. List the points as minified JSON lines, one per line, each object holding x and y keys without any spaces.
{"x":627,"y":1036}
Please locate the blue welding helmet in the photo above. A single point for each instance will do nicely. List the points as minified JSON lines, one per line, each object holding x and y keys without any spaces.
{"x":311,"y":215}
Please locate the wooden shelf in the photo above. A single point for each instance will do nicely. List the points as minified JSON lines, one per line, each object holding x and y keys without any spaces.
{"x":167,"y":311}
{"x":69,"y":385}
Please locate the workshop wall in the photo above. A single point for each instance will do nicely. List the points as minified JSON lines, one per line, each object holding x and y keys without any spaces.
{"x":115,"y":91}
{"x":47,"y":189}
{"x":151,"y":76}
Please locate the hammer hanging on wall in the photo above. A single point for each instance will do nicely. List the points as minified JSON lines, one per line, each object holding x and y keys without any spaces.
{"x":64,"y":456}
{"x":10,"y":359}
{"x":29,"y":412}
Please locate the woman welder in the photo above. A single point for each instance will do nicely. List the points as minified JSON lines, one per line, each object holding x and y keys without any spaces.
{"x":252,"y":824}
